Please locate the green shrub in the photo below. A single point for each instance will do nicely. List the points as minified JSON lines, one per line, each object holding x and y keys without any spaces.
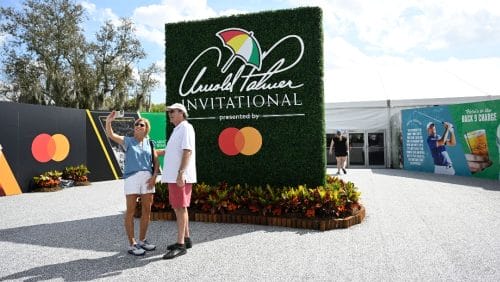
{"x":76,"y":173}
{"x":336,"y":199}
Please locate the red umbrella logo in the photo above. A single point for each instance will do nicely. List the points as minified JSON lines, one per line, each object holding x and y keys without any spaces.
{"x":243,"y":45}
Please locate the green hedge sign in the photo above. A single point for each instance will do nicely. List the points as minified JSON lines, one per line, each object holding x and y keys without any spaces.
{"x":253,"y":87}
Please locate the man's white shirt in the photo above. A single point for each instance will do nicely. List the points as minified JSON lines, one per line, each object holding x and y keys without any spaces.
{"x":182,"y":138}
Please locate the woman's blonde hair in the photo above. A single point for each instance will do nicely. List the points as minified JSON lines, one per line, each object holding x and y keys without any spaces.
{"x":146,"y":122}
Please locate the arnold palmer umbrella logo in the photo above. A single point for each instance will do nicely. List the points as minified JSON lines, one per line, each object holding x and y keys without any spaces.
{"x":243,"y":44}
{"x":255,"y":75}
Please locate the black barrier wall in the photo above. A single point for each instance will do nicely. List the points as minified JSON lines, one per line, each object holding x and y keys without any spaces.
{"x":37,"y":139}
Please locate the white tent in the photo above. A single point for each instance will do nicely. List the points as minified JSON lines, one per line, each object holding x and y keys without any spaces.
{"x":382,"y":117}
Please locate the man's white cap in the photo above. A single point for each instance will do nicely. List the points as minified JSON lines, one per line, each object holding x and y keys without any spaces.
{"x":429,"y":124}
{"x":178,"y":106}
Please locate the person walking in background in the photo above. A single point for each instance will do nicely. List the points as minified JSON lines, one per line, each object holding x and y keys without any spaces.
{"x":139,"y":180}
{"x":340,"y":146}
{"x":179,"y":171}
{"x":437,"y":146}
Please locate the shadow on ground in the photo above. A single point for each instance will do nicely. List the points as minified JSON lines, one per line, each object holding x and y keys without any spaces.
{"x":83,"y":269}
{"x":488,"y":184}
{"x":106,"y":234}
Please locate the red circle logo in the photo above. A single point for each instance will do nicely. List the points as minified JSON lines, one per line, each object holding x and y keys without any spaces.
{"x":246,"y":141}
{"x":45,"y":147}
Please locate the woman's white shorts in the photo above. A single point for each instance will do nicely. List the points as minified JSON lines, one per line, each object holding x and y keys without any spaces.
{"x":138,"y":183}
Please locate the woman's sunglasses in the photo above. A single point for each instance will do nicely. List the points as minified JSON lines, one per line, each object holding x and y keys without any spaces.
{"x":139,"y":124}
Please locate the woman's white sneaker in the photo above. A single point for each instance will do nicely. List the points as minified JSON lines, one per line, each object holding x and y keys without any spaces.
{"x":136,"y":250}
{"x":146,"y":245}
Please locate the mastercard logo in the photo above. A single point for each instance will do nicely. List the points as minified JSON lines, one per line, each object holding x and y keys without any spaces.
{"x":45,"y":147}
{"x":233,"y":141}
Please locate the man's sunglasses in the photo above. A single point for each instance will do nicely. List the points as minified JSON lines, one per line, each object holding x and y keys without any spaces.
{"x":139,"y":124}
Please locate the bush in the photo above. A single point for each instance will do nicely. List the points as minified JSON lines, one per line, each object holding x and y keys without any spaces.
{"x":49,"y":179}
{"x":336,"y":199}
{"x":76,"y":173}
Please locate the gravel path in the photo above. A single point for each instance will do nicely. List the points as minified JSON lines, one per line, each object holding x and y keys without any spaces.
{"x":419,"y":227}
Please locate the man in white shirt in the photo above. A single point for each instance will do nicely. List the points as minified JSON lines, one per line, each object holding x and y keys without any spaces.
{"x":179,"y":172}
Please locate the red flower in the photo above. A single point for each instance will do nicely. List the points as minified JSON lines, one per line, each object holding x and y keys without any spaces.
{"x":253,"y":208}
{"x":231,"y":207}
{"x":341,"y":208}
{"x":310,"y":212}
{"x":277,"y":211}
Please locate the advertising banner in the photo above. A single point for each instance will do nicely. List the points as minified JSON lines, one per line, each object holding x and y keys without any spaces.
{"x":38,"y":139}
{"x":253,"y":88}
{"x":158,"y":134}
{"x":459,"y":139}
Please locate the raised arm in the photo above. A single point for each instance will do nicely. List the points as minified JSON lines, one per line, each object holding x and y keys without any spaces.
{"x":109,"y":130}
{"x":452,"y":141}
{"x":448,"y":130}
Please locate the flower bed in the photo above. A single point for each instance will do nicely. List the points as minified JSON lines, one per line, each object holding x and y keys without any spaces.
{"x":335,"y":205}
{"x":304,"y":223}
{"x":55,"y":180}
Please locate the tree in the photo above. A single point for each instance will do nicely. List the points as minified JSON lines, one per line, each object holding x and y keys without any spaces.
{"x":158,"y":108}
{"x":37,"y":60}
{"x":47,"y":60}
{"x":146,"y":83}
{"x":114,"y":53}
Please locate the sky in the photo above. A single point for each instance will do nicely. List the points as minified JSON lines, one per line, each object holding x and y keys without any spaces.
{"x":373,"y":49}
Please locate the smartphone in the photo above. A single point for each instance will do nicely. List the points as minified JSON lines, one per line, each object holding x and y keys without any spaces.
{"x":120,"y":113}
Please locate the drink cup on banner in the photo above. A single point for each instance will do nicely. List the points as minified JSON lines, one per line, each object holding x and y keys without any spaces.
{"x":477,"y":142}
{"x":478,"y":159}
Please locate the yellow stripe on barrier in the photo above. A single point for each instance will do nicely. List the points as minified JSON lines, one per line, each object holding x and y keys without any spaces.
{"x":102,"y":144}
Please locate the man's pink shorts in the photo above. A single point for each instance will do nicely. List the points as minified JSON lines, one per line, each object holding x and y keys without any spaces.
{"x":179,"y":197}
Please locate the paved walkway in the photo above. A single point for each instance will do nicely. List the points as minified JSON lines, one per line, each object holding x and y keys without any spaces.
{"x":419,"y":227}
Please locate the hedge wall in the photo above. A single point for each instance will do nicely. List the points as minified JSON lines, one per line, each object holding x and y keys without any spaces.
{"x":285,"y":92}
